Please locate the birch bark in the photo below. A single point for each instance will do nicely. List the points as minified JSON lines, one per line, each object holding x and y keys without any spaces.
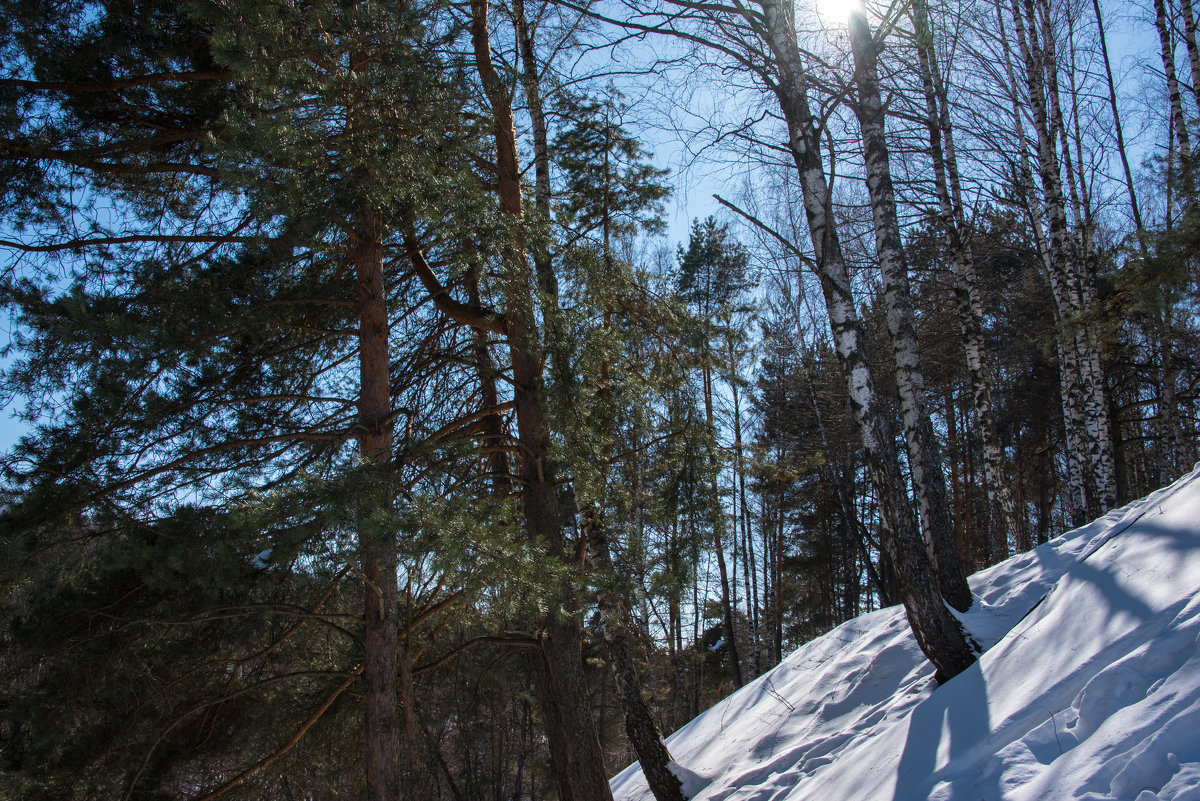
{"x":1081,"y":275}
{"x":937,"y":632}
{"x":1189,"y":38}
{"x":968,"y":307}
{"x":1075,"y":432}
{"x":924,"y":459}
{"x":1167,"y":50}
{"x":1083,"y":406}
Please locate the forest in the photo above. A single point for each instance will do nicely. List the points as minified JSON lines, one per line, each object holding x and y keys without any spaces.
{"x":381,"y":436}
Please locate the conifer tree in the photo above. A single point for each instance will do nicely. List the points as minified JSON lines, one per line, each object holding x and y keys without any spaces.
{"x":610,"y":193}
{"x":224,"y":190}
{"x":712,"y":272}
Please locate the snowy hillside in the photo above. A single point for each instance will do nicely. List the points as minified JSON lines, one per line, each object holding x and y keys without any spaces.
{"x":1093,"y":693}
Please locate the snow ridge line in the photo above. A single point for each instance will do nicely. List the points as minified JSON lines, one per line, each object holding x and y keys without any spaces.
{"x":1149,"y":502}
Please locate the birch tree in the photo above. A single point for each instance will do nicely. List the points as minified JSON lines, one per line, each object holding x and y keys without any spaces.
{"x":951,"y":216}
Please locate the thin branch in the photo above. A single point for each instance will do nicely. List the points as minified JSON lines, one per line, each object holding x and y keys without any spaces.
{"x":790,"y":246}
{"x":115,"y":85}
{"x":288,"y":746}
{"x":75,"y":244}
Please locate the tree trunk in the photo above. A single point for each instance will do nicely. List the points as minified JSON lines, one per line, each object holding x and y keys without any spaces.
{"x":1167,"y":49}
{"x":1117,"y":128}
{"x":377,"y":545}
{"x":1082,"y":263}
{"x":1072,"y":416}
{"x":716,"y":522}
{"x":938,"y":633}
{"x":1189,"y":37}
{"x":558,"y":666}
{"x":924,"y":459}
{"x":970,"y":311}
{"x":415,"y":786}
{"x":1084,"y":414}
{"x":639,"y":721}
{"x":751,"y":571}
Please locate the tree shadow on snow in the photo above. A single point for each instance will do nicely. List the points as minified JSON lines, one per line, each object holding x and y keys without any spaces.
{"x":942,"y":730}
{"x":947,"y":750}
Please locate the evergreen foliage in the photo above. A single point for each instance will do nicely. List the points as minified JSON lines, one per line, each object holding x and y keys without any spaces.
{"x":325,"y":417}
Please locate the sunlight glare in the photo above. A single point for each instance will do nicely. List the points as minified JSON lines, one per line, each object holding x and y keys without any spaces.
{"x":836,"y":11}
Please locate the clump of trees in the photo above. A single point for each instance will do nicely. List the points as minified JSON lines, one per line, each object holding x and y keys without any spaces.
{"x":378,"y":447}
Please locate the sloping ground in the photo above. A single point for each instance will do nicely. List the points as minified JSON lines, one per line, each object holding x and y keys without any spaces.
{"x":1089,"y":687}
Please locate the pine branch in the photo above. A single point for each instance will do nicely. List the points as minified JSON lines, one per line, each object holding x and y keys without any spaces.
{"x":288,"y":746}
{"x":75,"y":244}
{"x":117,"y":84}
{"x":473,"y":316}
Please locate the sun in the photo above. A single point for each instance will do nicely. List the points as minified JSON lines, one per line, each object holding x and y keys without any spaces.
{"x":836,"y":11}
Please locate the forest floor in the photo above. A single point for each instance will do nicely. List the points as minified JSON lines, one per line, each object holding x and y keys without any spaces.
{"x":1089,"y":687}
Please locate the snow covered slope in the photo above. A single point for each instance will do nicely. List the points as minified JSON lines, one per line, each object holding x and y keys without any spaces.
{"x":1093,"y":693}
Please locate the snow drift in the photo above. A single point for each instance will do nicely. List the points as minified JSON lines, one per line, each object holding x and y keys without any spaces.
{"x":1089,"y":687}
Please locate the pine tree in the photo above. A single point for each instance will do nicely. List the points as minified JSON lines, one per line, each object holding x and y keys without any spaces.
{"x":225,"y":189}
{"x":712,"y":273}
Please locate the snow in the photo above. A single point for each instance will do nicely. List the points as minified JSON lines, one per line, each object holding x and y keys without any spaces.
{"x":1089,"y":687}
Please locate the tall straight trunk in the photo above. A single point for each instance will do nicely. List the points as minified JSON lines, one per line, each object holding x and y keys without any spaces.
{"x":1073,"y":426}
{"x":1075,"y":431}
{"x":639,"y":723}
{"x":1045,"y":471}
{"x":1095,"y":385}
{"x":378,"y":563}
{"x":970,"y":311}
{"x":924,"y":459}
{"x":777,"y":582}
{"x":1177,"y":446}
{"x":1117,"y":128}
{"x":1082,"y":382}
{"x":1076,"y":138}
{"x":1189,"y":38}
{"x":1049,"y":48}
{"x":956,"y":481}
{"x":716,"y":521}
{"x":557,"y":342}
{"x":1168,"y":409}
{"x":377,"y":544}
{"x":1167,"y":50}
{"x":750,"y":571}
{"x":939,"y":635}
{"x":413,"y":779}
{"x":696,"y":667}
{"x":557,"y":666}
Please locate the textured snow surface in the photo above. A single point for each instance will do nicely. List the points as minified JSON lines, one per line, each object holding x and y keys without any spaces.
{"x":1089,"y":687}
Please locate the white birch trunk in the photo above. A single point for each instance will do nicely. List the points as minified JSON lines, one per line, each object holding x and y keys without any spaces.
{"x":924,"y":459}
{"x":1167,"y":48}
{"x":1083,"y":385}
{"x":1189,"y":38}
{"x":938,"y":633}
{"x":1001,"y":497}
{"x":1079,"y":264}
